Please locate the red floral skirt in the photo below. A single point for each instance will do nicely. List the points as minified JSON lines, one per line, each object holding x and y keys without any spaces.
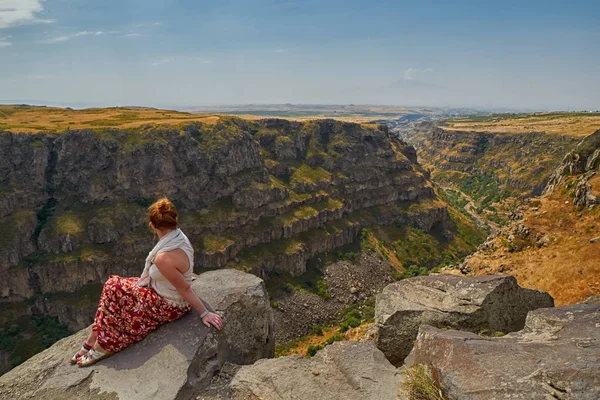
{"x":128,"y":313}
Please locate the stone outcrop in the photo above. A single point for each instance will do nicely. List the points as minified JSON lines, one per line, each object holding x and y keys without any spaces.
{"x":485,"y":303}
{"x":343,"y":370}
{"x":172,"y":363}
{"x":584,"y":163}
{"x":554,"y":357}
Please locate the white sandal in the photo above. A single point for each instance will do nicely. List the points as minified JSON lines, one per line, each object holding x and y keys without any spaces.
{"x":84,"y":348}
{"x":92,"y":357}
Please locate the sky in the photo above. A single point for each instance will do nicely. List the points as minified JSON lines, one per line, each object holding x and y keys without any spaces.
{"x":526,"y":54}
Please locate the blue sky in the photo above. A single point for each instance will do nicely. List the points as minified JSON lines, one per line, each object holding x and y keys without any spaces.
{"x":517,"y":54}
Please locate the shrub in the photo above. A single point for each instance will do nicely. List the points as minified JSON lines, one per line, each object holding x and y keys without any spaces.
{"x":287,"y":287}
{"x":274,"y":304}
{"x":344,"y":327}
{"x":317,"y":330}
{"x":368,"y":313}
{"x":420,"y":385}
{"x":353,"y":322}
{"x":354,"y":313}
{"x":412,"y":271}
{"x":335,"y":338}
{"x":323,"y":290}
{"x":312,"y":350}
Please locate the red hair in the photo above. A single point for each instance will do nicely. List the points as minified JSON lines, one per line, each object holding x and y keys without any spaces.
{"x":162,"y":214}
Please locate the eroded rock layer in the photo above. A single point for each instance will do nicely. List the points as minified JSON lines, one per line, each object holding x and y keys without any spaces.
{"x":73,"y":203}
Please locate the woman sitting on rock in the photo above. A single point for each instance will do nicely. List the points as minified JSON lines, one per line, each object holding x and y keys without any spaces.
{"x":131,"y":308}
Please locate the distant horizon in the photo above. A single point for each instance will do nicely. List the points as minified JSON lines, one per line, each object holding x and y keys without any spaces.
{"x":253,"y":107}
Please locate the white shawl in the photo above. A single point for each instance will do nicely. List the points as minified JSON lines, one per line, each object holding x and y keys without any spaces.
{"x":175,"y":239}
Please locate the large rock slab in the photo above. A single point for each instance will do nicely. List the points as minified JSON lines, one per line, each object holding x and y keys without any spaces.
{"x":343,"y":370}
{"x":494,"y":303}
{"x":556,"y":356}
{"x":172,"y":363}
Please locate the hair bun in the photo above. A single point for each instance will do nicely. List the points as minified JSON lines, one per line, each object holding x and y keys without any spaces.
{"x":164,"y":206}
{"x":162,"y":214}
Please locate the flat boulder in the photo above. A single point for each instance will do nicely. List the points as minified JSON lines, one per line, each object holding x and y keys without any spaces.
{"x":174,"y":362}
{"x":347,"y":370}
{"x":556,"y":356}
{"x":492,"y":303}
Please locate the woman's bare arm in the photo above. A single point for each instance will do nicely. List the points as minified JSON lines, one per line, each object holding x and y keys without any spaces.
{"x":167,"y":265}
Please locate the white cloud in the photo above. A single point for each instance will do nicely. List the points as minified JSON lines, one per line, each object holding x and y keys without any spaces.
{"x":4,"y":42}
{"x":20,"y":12}
{"x":63,"y":38}
{"x":145,"y":24}
{"x":134,"y":34}
{"x":160,"y":62}
{"x":412,"y":74}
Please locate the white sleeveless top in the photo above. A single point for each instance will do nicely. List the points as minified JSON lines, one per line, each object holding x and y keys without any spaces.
{"x":165,"y":289}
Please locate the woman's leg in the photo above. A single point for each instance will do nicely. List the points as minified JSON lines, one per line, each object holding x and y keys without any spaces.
{"x":87,"y":345}
{"x":91,"y":339}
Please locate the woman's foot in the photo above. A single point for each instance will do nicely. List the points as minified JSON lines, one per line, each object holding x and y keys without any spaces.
{"x":85,"y":348}
{"x":93,"y":356}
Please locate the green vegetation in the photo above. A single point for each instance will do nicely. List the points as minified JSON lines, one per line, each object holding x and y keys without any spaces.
{"x":414,"y":248}
{"x":305,"y":174}
{"x":411,"y":272}
{"x":15,"y":225}
{"x":357,"y":314}
{"x":44,"y":214}
{"x":455,"y":199}
{"x":317,"y":330}
{"x":312,"y":350}
{"x":335,"y":338}
{"x":86,"y":252}
{"x":213,"y":243}
{"x":312,"y":281}
{"x":420,"y":385}
{"x":483,"y":188}
{"x":28,"y":335}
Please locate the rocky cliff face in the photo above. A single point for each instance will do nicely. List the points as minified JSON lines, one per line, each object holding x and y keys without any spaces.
{"x":582,"y":163}
{"x":551,"y":242}
{"x":256,"y":196}
{"x":486,"y":166}
{"x":73,"y":203}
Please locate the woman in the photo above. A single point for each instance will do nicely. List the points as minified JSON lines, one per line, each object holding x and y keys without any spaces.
{"x":131,"y":308}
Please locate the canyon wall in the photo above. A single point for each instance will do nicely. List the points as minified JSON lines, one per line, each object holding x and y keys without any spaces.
{"x":256,"y":196}
{"x":489,"y":166}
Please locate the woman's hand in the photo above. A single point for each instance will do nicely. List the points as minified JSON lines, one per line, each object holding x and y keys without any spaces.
{"x":214,"y":320}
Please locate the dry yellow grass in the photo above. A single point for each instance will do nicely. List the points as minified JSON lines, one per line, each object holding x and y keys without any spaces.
{"x":572,"y":124}
{"x":568,"y":267}
{"x":30,"y":119}
{"x":34,"y":119}
{"x":357,"y":119}
{"x":303,"y":344}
